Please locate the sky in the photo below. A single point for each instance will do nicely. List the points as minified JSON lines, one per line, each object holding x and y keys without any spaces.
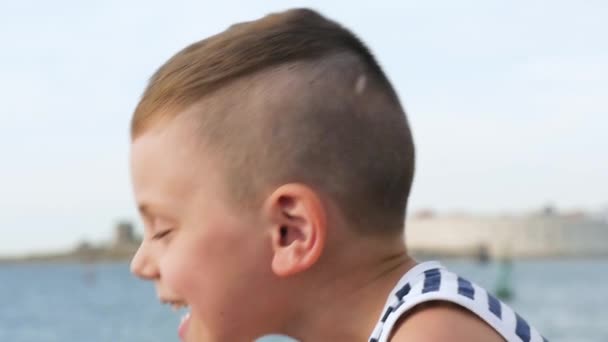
{"x":508,"y":102}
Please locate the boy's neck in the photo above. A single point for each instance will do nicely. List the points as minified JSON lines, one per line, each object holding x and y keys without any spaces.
{"x":347,"y":303}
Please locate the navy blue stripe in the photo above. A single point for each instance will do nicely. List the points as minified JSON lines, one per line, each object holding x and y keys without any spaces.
{"x":373,"y":340}
{"x":388,"y":312}
{"x":403,"y":291}
{"x":465,"y":288}
{"x":432,"y":280}
{"x":494,"y":306}
{"x":522,"y":329}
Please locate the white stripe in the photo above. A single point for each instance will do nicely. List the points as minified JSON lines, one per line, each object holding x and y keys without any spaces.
{"x":481,"y":299}
{"x":509,"y":322}
{"x":449,"y":282}
{"x":377,"y":331}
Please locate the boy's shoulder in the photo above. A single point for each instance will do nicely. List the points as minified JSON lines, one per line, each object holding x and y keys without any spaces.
{"x":443,"y":321}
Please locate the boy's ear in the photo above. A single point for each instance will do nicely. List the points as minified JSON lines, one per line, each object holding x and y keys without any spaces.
{"x":298,"y":228}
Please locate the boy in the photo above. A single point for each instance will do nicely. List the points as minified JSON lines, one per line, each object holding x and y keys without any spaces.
{"x":272,"y":165}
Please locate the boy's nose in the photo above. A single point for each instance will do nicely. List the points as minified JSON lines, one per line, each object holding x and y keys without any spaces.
{"x":143,"y":264}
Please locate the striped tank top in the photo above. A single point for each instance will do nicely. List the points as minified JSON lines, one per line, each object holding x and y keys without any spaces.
{"x":430,"y":281}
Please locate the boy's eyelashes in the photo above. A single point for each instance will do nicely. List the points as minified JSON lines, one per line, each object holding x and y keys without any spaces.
{"x":161,"y":234}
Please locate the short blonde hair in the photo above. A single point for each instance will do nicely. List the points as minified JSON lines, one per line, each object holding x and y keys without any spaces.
{"x":337,"y":124}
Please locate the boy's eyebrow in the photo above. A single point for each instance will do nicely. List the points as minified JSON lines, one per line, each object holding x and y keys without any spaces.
{"x":147,"y":211}
{"x":143,"y":208}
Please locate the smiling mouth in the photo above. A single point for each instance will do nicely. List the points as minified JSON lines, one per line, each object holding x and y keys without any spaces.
{"x":185,"y":320}
{"x":175,"y":304}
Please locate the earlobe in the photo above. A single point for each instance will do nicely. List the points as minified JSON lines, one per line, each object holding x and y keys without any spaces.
{"x":298,"y":228}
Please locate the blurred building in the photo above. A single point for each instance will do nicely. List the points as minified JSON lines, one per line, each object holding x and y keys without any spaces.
{"x":542,"y":235}
{"x":124,"y":235}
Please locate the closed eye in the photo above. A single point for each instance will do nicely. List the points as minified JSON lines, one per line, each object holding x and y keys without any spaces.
{"x":161,"y":234}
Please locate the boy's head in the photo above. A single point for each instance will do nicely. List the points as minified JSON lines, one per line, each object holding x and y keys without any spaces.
{"x":259,"y":153}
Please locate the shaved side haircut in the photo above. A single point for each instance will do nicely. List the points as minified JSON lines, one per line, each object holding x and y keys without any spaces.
{"x":293,"y":97}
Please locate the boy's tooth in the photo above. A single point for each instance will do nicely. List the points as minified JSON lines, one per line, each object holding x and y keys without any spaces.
{"x":183,"y":326}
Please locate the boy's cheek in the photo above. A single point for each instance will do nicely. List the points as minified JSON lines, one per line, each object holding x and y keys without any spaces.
{"x":178,"y":274}
{"x":188,"y":273}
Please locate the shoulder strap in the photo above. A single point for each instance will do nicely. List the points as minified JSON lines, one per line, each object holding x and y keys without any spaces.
{"x":438,"y":284}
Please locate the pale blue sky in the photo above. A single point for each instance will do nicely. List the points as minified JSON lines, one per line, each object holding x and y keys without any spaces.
{"x":508,"y":101}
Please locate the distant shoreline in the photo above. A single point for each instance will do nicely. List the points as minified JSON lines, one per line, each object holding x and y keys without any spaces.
{"x":120,"y":249}
{"x":123,"y":255}
{"x":89,"y":255}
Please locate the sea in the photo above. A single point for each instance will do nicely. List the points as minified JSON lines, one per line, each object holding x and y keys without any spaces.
{"x":567,"y":300}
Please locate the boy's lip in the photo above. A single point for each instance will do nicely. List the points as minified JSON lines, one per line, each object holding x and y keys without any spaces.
{"x":182,"y":330}
{"x":175,"y":303}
